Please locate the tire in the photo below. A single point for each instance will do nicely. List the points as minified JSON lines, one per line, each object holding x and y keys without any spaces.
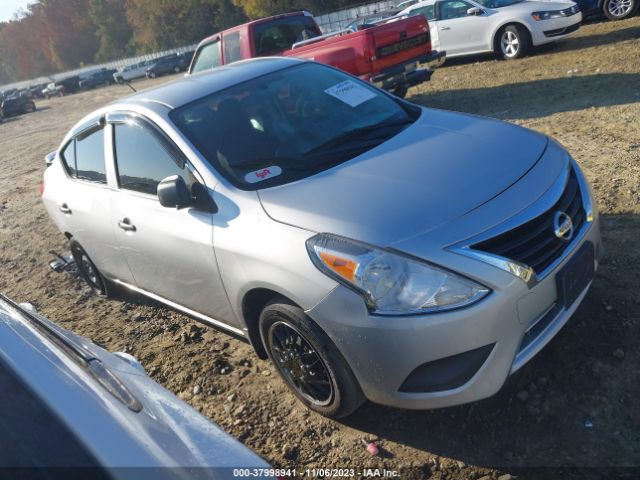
{"x":512,"y":42}
{"x":311,"y":365}
{"x":620,"y":9}
{"x":176,"y":69}
{"x":89,"y":272}
{"x":152,"y":75}
{"x":32,"y":107}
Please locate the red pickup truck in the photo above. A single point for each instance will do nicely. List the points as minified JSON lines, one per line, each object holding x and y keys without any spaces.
{"x":387,"y":55}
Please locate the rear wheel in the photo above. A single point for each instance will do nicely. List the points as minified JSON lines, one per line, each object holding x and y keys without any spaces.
{"x":512,"y":42}
{"x":308,"y":361}
{"x":31,"y":107}
{"x":620,"y":9}
{"x":89,"y":271}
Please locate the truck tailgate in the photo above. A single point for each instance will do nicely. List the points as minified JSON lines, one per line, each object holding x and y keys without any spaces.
{"x":398,"y":42}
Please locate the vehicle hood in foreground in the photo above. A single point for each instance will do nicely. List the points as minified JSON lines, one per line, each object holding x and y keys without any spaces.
{"x":441,"y":167}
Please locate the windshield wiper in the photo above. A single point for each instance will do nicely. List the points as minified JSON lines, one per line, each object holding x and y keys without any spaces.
{"x":357,"y":133}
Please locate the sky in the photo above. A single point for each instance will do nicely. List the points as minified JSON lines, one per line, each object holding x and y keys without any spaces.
{"x":9,"y":7}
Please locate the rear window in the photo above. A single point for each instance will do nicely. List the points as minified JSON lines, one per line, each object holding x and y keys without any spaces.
{"x":208,"y":57}
{"x":280,"y":34}
{"x":232,"y":50}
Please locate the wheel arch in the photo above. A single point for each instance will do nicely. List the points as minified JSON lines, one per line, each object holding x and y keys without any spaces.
{"x":502,"y":26}
{"x":253,"y":302}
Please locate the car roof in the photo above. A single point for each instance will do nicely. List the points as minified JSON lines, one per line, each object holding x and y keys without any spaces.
{"x":181,"y":92}
{"x":424,"y":3}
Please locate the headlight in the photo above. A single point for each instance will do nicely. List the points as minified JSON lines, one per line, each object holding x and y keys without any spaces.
{"x":391,"y":284}
{"x":537,"y":16}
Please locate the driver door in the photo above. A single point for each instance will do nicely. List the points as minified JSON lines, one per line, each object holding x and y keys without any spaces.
{"x":459,"y":32}
{"x":170,"y":252}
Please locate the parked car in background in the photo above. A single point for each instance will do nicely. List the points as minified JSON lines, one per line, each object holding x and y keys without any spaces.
{"x":68,"y":404}
{"x":612,"y":9}
{"x":100,"y":78}
{"x":165,"y":65}
{"x":70,"y":84}
{"x":370,"y":247}
{"x":367,"y":21}
{"x":36,"y":90}
{"x":16,"y":105}
{"x":394,"y":56}
{"x":507,"y":27}
{"x":54,"y":89}
{"x":132,"y":72}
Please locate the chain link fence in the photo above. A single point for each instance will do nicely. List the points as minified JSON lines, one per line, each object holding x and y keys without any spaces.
{"x":335,"y":21}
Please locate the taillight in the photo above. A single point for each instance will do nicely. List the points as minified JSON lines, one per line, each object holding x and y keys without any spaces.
{"x":42,"y":187}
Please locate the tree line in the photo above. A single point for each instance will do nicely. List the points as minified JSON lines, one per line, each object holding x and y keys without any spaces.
{"x":57,"y":35}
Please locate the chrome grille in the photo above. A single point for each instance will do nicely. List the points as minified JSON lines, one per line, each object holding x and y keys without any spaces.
{"x":567,"y":12}
{"x":534,"y":243}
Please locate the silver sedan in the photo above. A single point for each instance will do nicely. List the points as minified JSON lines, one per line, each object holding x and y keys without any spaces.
{"x":370,"y":247}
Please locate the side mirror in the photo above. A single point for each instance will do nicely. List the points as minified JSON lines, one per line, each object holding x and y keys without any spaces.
{"x":174,"y":193}
{"x":474,"y":11}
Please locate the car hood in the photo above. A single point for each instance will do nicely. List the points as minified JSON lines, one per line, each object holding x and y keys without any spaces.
{"x":441,"y":167}
{"x":534,"y":6}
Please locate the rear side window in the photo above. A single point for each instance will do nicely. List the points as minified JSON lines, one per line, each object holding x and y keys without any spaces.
{"x":69,"y":158}
{"x":208,"y":57}
{"x":84,"y":157}
{"x":232,"y":50}
{"x":143,"y":161}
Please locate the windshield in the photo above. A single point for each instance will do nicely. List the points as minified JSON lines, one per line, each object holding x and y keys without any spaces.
{"x":290,"y":124}
{"x":498,"y":3}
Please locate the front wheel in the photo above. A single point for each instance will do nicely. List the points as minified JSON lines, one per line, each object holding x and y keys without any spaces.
{"x":512,"y":42}
{"x":620,"y":9}
{"x":308,"y":361}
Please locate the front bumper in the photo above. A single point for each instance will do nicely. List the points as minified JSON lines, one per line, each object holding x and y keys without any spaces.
{"x":384,"y":351}
{"x":546,"y":31}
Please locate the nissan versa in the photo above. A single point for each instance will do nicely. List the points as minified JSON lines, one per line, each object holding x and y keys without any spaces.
{"x":371,"y":248}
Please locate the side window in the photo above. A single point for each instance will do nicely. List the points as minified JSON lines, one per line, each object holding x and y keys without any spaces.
{"x":142,"y":161}
{"x":453,"y":9}
{"x":69,"y":158}
{"x":209,"y":57}
{"x":232,"y":50}
{"x":90,"y":157}
{"x":426,"y":11}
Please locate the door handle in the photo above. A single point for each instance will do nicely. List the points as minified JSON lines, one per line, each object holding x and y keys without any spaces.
{"x":445,"y":28}
{"x":64,"y":208}
{"x":125,"y":224}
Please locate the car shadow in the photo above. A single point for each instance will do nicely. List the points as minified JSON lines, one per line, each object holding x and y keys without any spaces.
{"x":589,"y":41}
{"x":564,"y":408}
{"x":539,"y":98}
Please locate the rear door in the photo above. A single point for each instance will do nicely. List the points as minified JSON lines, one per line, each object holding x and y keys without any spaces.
{"x":170,"y":252}
{"x":458,"y":31}
{"x":84,"y":202}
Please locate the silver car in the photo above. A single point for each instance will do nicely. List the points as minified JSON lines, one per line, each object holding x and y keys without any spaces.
{"x":370,"y":247}
{"x":68,"y":406}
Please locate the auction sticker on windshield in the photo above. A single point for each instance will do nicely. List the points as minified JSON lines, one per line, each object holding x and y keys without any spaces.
{"x":350,"y":93}
{"x":262,"y":174}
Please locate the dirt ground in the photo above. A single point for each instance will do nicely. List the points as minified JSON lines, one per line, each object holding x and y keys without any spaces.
{"x":570,"y":413}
